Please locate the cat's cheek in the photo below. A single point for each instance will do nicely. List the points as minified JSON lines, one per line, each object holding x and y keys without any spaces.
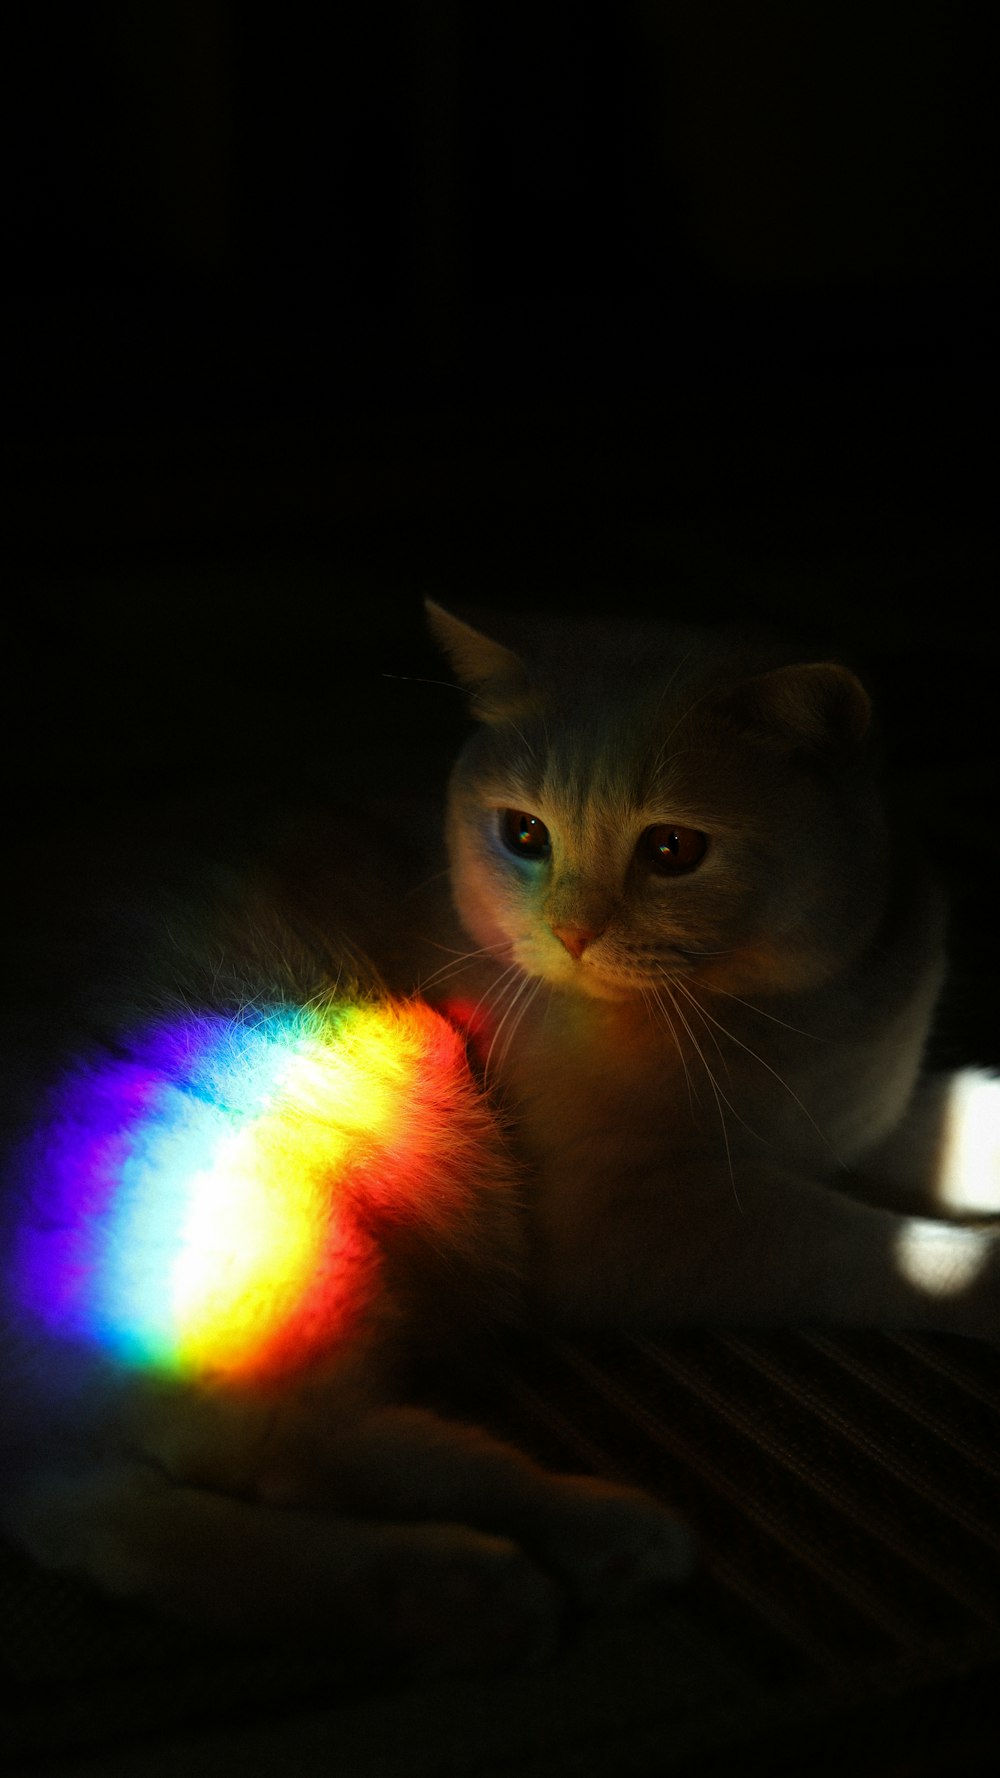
{"x":477,"y":909}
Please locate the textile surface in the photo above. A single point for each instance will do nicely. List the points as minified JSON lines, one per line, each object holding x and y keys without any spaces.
{"x":844,"y":1489}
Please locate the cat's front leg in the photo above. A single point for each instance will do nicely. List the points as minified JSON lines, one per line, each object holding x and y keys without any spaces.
{"x":607,"y":1544}
{"x":761,"y":1248}
{"x":394,"y":1532}
{"x":439,"y":1596}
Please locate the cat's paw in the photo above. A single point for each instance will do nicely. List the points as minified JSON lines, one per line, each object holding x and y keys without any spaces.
{"x":458,"y":1600}
{"x":614,"y":1546}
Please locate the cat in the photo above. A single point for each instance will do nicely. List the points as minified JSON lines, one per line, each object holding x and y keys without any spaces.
{"x":298,"y":1487}
{"x":721,"y":953}
{"x":689,"y":966}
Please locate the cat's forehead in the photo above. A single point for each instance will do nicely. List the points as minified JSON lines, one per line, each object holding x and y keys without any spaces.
{"x":610,"y":721}
{"x":609,"y":681}
{"x":607,"y":738}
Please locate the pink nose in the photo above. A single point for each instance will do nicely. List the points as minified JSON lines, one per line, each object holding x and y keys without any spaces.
{"x":577,"y":938}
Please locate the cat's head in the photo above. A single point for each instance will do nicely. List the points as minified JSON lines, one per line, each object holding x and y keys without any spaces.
{"x":640,"y":801}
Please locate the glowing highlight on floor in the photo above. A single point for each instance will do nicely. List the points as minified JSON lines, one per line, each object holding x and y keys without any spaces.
{"x":940,"y":1259}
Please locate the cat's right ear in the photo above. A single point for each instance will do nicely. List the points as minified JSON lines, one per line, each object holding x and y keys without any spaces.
{"x":817,"y":708}
{"x":496,"y":677}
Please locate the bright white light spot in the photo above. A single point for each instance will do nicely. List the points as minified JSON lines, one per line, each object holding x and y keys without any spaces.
{"x":940,"y":1259}
{"x":969,"y":1165}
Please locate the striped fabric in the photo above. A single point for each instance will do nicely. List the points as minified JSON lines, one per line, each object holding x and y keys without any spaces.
{"x":844,"y":1487}
{"x":847,"y":1607}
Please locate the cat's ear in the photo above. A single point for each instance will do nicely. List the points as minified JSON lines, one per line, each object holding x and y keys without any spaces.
{"x":495,"y":675}
{"x":819,"y":707}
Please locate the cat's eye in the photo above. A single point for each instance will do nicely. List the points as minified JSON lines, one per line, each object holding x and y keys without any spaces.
{"x":524,"y":834}
{"x":672,"y":850}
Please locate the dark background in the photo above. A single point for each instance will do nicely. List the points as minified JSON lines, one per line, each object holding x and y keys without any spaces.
{"x":311,"y":312}
{"x":315,"y":311}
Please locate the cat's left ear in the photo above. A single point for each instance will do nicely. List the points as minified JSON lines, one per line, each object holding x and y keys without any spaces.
{"x":819,"y":707}
{"x":496,"y":676}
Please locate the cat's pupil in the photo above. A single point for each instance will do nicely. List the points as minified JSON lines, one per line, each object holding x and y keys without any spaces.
{"x":672,"y":850}
{"x":524,"y":833}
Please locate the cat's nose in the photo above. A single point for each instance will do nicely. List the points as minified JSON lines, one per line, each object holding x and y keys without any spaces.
{"x":577,"y":938}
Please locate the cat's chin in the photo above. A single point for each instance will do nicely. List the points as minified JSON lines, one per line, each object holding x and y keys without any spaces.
{"x":582,"y":978}
{"x":598,"y":988}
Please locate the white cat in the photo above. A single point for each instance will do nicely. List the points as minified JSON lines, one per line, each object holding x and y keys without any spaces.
{"x":695,"y":961}
{"x":715,"y":957}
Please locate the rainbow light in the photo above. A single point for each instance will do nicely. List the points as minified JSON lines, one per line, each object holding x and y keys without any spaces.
{"x":192,"y":1202}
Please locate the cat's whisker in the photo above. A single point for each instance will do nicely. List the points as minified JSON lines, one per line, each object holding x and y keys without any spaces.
{"x":415,"y":679}
{"x":668,"y":1021}
{"x":438,"y":877}
{"x":713,"y":988}
{"x":457,"y":966}
{"x":681,"y":663}
{"x":720,"y":1096}
{"x":512,"y":1033}
{"x":452,"y":950}
{"x":517,"y":994}
{"x":706,"y":1018}
{"x":522,"y":737}
{"x":676,"y":982}
{"x":702,"y":951}
{"x":495,"y":993}
{"x":661,"y":760}
{"x":461,"y":961}
{"x":778,"y":1077}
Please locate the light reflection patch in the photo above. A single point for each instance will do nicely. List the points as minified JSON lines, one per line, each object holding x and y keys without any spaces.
{"x":968,"y":1173}
{"x":190,"y":1203}
{"x":941,"y":1260}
